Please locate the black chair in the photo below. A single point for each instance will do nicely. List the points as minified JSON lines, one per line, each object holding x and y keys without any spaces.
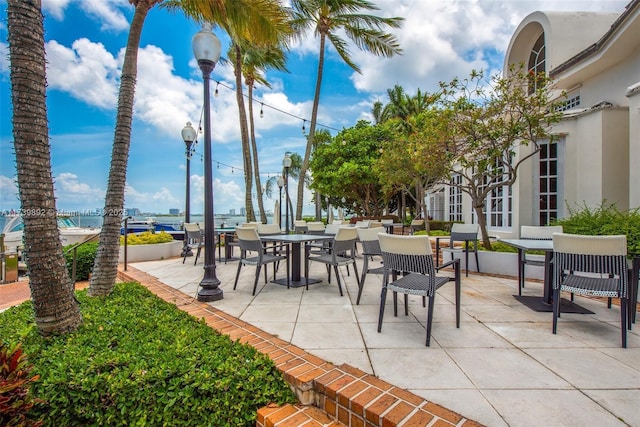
{"x":466,"y":233}
{"x":412,"y":256}
{"x":341,"y":253}
{"x":591,"y":265}
{"x":253,"y":252}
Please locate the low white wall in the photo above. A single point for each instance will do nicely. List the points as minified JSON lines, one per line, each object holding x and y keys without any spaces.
{"x":137,"y":253}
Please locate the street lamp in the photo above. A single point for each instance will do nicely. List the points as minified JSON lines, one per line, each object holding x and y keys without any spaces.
{"x":206,"y":49}
{"x":280,"y":185}
{"x":286,"y":162}
{"x":188,"y":136}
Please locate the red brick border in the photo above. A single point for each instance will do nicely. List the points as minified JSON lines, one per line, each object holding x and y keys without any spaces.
{"x":329,"y":395}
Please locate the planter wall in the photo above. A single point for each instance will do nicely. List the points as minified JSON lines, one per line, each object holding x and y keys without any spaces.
{"x":137,"y":253}
{"x":502,"y":263}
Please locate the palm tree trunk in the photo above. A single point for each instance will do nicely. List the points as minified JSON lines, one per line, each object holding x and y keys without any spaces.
{"x":312,"y":129}
{"x":105,"y":267}
{"x":244,"y":135}
{"x":254,"y":148}
{"x":55,"y":308}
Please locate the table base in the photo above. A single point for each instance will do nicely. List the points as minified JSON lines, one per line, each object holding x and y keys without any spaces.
{"x":536,"y":303}
{"x":295,"y":283}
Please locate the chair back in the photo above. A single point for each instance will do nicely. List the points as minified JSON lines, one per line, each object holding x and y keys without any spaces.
{"x":192,"y":231}
{"x":265,"y":229}
{"x":369,"y":239}
{"x":605,"y":255}
{"x":386,"y":221}
{"x":539,"y":233}
{"x":332,"y":228}
{"x":464,"y":232}
{"x":315,"y":227}
{"x":249,"y":225}
{"x":344,"y":240}
{"x":362,"y":224}
{"x":248,"y":239}
{"x":375,"y":224}
{"x":407,"y":253}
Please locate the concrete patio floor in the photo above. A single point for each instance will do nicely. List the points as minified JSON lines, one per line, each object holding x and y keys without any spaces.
{"x":503,"y":367}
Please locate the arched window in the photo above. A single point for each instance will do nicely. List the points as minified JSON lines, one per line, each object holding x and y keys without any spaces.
{"x":537,"y":62}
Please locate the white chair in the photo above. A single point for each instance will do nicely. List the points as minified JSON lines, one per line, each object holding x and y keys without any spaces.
{"x":315,"y":227}
{"x":362,"y":224}
{"x":412,"y":255}
{"x":250,"y":244}
{"x":341,"y":253}
{"x":531,"y":232}
{"x":267,"y":229}
{"x":591,"y":265}
{"x":300,"y":226}
{"x":416,"y":225}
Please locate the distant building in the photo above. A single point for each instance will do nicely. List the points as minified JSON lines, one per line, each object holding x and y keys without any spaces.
{"x":595,"y":58}
{"x":174,"y":211}
{"x":132,"y":211}
{"x":232,"y":212}
{"x":243,"y":212}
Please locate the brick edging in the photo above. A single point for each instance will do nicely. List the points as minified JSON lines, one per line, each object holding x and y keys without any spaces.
{"x":346,"y":394}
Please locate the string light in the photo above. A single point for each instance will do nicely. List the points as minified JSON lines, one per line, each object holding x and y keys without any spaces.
{"x":304,"y":121}
{"x":261,"y":112}
{"x":216,"y":92}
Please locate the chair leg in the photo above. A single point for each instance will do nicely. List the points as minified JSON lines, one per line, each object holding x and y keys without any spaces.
{"x":406,"y":304}
{"x":430,"y":318}
{"x":395,"y":304}
{"x":355,"y":272}
{"x":556,"y":309}
{"x":237,"y":275}
{"x":458,"y":286}
{"x":365,"y":267}
{"x":197,"y":255}
{"x":335,"y":268}
{"x":383,"y":300}
{"x":477,"y":262}
{"x":623,"y":321}
{"x":255,"y":281}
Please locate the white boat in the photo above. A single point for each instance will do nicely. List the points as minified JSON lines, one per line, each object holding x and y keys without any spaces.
{"x":70,"y":233}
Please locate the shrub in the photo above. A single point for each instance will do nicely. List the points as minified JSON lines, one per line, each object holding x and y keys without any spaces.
{"x":138,"y":360}
{"x":15,"y":399}
{"x":85,"y":257}
{"x":604,"y":220}
{"x":147,"y":238}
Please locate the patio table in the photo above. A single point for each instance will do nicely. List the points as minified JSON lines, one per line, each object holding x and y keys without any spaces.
{"x":294,"y":254}
{"x":524,"y":245}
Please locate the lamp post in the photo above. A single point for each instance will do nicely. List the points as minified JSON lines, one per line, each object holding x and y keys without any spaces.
{"x":280,"y":185}
{"x":188,"y":136}
{"x":206,"y":49}
{"x":286,"y":162}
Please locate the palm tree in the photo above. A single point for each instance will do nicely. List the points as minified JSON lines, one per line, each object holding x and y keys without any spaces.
{"x":251,"y":17}
{"x":105,"y":268}
{"x":255,"y":61}
{"x":55,"y":309}
{"x":328,"y":18}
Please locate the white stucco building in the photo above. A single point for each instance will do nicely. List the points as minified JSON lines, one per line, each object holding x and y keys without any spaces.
{"x":595,"y":59}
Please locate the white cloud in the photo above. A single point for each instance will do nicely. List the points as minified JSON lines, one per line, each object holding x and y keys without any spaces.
{"x":107,"y":12}
{"x":8,"y":192}
{"x":55,"y":8}
{"x":74,"y":194}
{"x":4,"y":57}
{"x":86,"y":70}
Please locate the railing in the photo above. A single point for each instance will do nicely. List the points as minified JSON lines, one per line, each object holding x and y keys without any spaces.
{"x":74,"y":248}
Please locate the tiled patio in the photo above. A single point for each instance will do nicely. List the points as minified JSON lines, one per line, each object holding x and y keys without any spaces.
{"x":503,"y":367}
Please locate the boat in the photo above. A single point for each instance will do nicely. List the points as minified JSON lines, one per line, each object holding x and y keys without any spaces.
{"x":147,"y":224}
{"x":70,"y":232}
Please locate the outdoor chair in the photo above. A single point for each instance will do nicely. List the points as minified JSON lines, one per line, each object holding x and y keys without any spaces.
{"x":194,"y":238}
{"x":531,"y":232}
{"x":412,"y":256}
{"x":341,"y":253}
{"x":300,"y":226}
{"x":252,"y":252}
{"x":416,"y":225}
{"x":315,"y":228}
{"x":362,"y":224}
{"x":368,"y":237}
{"x":591,"y":265}
{"x":464,"y":233}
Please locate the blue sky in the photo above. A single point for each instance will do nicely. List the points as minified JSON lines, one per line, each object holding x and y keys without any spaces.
{"x":85,"y":42}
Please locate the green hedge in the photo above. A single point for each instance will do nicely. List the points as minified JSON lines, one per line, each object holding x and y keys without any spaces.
{"x":86,"y":255}
{"x":604,"y":220}
{"x":137,"y":360}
